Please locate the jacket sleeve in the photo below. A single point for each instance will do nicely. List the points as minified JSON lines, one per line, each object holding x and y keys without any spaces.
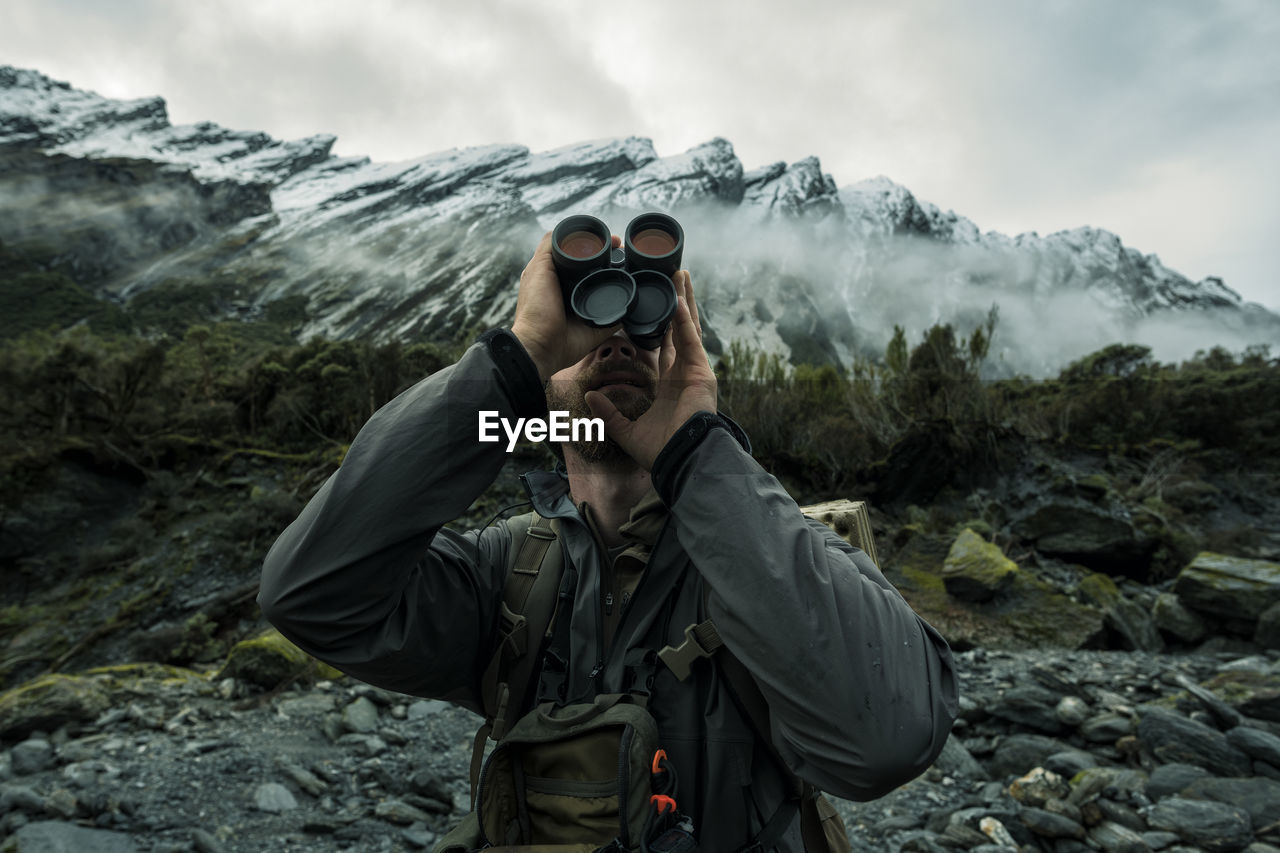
{"x":861,"y":691}
{"x":365,"y":579}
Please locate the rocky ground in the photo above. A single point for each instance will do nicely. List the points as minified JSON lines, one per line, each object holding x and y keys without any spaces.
{"x":1055,"y":752}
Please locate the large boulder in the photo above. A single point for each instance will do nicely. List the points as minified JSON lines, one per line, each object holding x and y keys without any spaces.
{"x":270,"y":660}
{"x":975,"y":569}
{"x":1102,"y":537}
{"x":49,"y":702}
{"x":1029,"y":613}
{"x":1230,"y":587}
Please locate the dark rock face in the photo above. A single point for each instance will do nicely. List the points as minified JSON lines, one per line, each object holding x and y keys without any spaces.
{"x":106,"y":215}
{"x":1101,"y":538}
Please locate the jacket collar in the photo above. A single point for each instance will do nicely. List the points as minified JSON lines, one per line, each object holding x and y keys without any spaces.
{"x":549,"y":493}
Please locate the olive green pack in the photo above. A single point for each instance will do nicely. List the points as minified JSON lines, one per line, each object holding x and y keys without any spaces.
{"x":550,"y":770}
{"x":564,"y":780}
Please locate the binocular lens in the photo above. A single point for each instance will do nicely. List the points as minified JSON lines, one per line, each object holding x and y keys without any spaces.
{"x":650,"y":315}
{"x":604,"y":286}
{"x":581,"y":244}
{"x":655,"y":299}
{"x":653,"y":241}
{"x":603,"y":297}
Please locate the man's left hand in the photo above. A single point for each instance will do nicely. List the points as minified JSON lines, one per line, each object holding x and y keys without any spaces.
{"x":686,"y":386}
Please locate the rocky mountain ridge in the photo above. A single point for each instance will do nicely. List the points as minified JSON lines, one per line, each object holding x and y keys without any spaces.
{"x":785,"y":259}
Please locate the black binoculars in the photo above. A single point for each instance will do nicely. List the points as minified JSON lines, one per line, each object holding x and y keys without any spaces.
{"x":604,"y":286}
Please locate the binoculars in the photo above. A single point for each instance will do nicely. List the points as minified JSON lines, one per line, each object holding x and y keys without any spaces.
{"x":604,"y":286}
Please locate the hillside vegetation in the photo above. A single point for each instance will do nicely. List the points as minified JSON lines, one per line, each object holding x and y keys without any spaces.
{"x":151,"y":454}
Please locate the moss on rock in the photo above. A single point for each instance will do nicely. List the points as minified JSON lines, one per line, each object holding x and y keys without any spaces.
{"x":1232,"y":587}
{"x":49,"y":702}
{"x":1123,"y":615}
{"x":975,"y":570}
{"x":1028,"y":614}
{"x":1254,"y":694}
{"x":269,"y":660}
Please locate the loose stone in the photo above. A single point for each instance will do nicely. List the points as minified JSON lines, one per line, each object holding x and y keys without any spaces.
{"x":1173,"y":737}
{"x":396,"y":811}
{"x":1038,"y":786}
{"x":1115,"y":838}
{"x":31,"y":756}
{"x":361,"y":716}
{"x":273,"y":797}
{"x":1258,"y":744}
{"x":1259,"y":797}
{"x":1071,"y":710}
{"x":1050,"y":825}
{"x":1217,"y":827}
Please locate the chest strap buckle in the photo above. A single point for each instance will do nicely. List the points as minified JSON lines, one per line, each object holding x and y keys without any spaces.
{"x":700,"y":641}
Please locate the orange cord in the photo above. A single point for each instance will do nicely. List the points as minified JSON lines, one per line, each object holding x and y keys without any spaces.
{"x":662,"y":802}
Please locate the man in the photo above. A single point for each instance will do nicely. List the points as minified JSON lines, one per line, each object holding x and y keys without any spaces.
{"x":860,"y":691}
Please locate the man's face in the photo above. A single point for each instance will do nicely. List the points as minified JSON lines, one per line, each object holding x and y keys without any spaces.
{"x":623,"y":372}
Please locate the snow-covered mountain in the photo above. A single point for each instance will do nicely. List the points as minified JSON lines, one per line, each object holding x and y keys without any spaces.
{"x":432,"y":248}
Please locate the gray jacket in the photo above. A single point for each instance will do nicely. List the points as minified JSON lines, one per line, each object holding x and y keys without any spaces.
{"x":861,"y":691}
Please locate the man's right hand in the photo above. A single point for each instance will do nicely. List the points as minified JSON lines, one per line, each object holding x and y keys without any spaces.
{"x":552,"y":340}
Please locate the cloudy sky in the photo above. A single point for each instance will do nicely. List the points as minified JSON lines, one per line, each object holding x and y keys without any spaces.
{"x":1156,"y":119}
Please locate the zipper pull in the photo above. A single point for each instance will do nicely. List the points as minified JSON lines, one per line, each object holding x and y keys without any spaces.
{"x":595,"y":672}
{"x":626,"y":598}
{"x":608,"y":604}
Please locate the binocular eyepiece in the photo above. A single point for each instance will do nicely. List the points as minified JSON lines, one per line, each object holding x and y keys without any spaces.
{"x":632,"y":285}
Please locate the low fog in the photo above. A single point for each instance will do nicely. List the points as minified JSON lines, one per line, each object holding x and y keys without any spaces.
{"x":816,"y":285}
{"x":862,"y":286}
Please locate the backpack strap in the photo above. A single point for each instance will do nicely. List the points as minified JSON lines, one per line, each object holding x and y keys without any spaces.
{"x":535,"y":563}
{"x":702,"y":640}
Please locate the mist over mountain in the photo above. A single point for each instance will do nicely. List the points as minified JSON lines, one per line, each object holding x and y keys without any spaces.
{"x":782,"y":258}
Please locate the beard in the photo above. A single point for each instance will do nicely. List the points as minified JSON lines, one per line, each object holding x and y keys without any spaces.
{"x":571,"y":396}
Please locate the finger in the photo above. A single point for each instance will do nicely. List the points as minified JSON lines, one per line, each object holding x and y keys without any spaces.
{"x":617,"y":242}
{"x":616,"y":425}
{"x":541,"y":255}
{"x":685,"y":331}
{"x":687,"y":287}
{"x":666,"y":353}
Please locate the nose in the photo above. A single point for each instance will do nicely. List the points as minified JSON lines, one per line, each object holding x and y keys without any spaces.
{"x":617,"y":346}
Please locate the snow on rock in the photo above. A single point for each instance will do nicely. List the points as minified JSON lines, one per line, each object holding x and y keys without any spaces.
{"x":785,"y":259}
